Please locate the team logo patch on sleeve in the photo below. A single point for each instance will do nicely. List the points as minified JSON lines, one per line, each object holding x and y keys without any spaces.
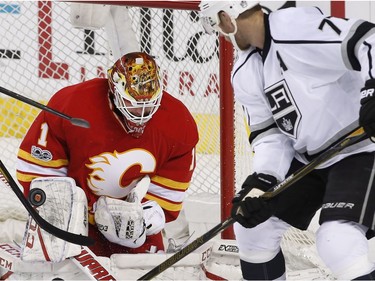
{"x":284,"y":108}
{"x":41,"y":154}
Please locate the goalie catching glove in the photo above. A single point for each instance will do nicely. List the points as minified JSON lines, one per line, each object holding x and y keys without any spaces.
{"x":154,"y":217}
{"x":121,"y":222}
{"x":367,"y":110}
{"x":251,"y":211}
{"x":128,"y":222}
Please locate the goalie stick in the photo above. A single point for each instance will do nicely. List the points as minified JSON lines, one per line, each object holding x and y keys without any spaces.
{"x":62,"y":234}
{"x":86,"y":261}
{"x":352,"y":138}
{"x":75,"y":121}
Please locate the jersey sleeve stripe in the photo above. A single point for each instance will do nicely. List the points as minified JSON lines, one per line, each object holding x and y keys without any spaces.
{"x":358,"y":34}
{"x":52,"y":163}
{"x":165,"y":204}
{"x":27,"y":177}
{"x":171,"y":184}
{"x":257,"y":134}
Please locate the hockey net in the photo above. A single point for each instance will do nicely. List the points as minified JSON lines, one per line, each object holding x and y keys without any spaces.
{"x":41,"y":53}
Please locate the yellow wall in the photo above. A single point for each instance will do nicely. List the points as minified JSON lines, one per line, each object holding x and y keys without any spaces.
{"x":16,"y":117}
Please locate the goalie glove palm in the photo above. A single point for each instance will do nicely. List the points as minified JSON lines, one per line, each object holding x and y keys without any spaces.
{"x":121,"y":222}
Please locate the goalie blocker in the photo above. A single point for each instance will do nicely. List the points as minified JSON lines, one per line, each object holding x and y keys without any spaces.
{"x":64,"y":205}
{"x":44,"y":256}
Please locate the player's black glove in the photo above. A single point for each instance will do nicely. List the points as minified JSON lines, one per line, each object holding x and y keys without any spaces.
{"x":253,"y":211}
{"x":367,"y":110}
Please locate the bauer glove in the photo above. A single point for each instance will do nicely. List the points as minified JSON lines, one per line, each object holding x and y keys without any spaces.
{"x":252,"y":211}
{"x":259,"y":181}
{"x":367,"y":110}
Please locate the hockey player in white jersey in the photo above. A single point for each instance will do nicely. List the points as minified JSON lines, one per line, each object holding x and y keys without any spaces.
{"x":306,"y":80}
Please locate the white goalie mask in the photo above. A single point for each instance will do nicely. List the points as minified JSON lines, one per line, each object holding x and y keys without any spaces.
{"x":209,"y":13}
{"x":135,"y":84}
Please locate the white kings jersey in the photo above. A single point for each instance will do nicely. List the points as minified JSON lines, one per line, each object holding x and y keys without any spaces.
{"x":302,"y":91}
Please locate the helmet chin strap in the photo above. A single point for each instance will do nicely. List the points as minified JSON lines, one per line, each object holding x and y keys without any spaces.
{"x":233,"y":41}
{"x":231,"y":35}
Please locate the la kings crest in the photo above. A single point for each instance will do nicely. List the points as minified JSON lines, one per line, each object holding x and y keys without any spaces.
{"x":284,"y":109}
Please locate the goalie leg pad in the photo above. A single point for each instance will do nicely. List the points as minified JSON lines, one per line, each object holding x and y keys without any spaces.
{"x":60,"y":202}
{"x":121,"y":37}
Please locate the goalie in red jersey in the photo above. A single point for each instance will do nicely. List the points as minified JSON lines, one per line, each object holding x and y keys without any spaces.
{"x":138,"y":131}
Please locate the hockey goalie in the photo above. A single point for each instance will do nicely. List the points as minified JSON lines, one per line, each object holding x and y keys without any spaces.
{"x":134,"y":164}
{"x":64,"y":205}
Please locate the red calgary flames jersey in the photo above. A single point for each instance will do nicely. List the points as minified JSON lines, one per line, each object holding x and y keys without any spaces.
{"x":105,"y":159}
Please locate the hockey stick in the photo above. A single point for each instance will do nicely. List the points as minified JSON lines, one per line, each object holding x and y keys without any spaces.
{"x":75,"y":121}
{"x":62,"y":234}
{"x":88,"y":262}
{"x":354,"y":137}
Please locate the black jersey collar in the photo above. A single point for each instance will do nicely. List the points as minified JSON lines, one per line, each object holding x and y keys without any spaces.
{"x":267,"y":37}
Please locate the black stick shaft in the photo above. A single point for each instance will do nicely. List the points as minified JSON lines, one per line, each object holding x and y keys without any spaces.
{"x":354,"y":137}
{"x":75,"y":121}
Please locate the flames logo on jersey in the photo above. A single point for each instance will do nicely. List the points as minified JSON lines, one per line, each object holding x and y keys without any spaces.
{"x":109,"y":171}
